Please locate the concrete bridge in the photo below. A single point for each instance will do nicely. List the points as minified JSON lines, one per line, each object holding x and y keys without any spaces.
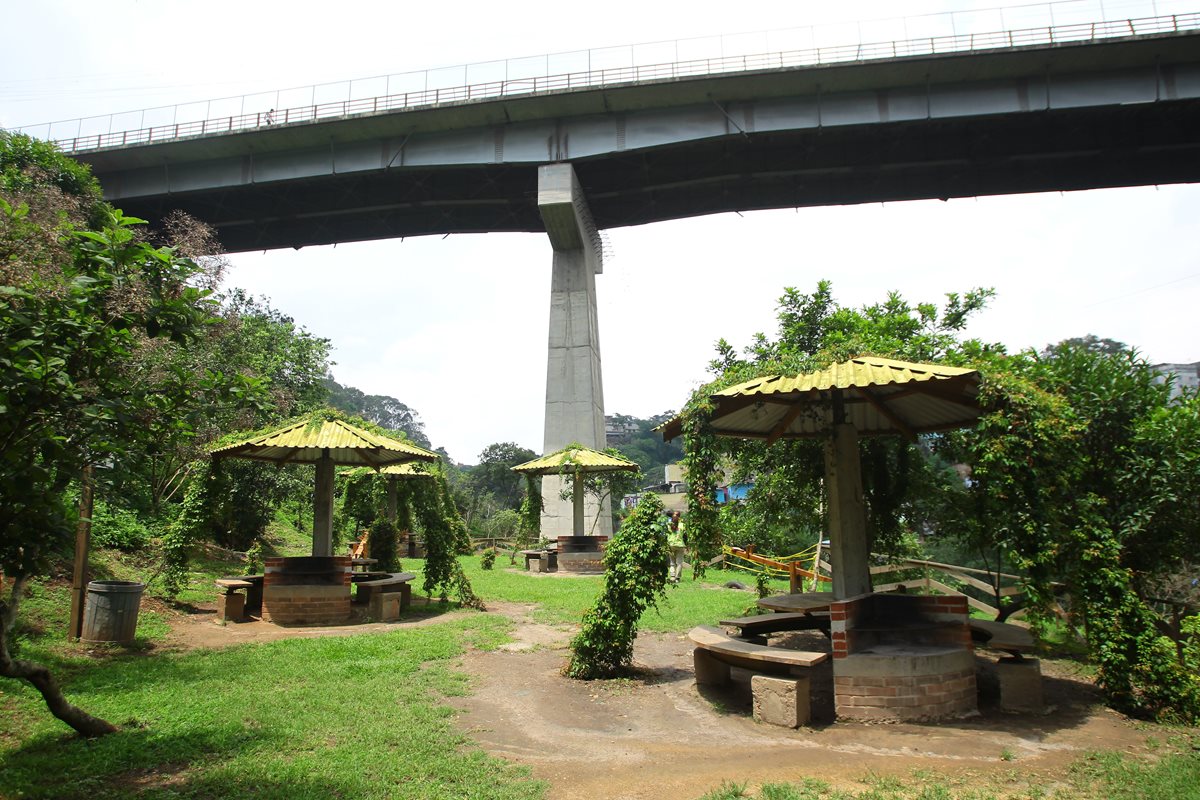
{"x":1026,"y":111}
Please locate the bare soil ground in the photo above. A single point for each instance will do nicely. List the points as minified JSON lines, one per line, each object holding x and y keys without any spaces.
{"x":656,"y":734}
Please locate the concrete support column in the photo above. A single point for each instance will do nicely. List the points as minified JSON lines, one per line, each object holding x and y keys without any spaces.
{"x":574,"y":390}
{"x":848,"y":552}
{"x":323,"y":508}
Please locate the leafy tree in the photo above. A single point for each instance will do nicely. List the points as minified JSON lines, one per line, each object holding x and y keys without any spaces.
{"x":814,"y":331}
{"x":647,"y":448}
{"x":1087,"y":473}
{"x":1090,"y":343}
{"x":88,"y":303}
{"x":387,"y":412}
{"x":493,"y":476}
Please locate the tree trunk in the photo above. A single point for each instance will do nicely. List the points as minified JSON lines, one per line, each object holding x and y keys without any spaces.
{"x":39,"y":676}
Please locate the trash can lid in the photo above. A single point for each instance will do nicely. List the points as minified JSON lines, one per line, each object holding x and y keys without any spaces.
{"x":115,"y":586}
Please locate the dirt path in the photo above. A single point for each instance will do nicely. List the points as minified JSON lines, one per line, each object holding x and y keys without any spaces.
{"x":657,"y":735}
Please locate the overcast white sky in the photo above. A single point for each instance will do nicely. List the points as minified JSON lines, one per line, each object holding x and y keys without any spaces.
{"x":456,"y":327}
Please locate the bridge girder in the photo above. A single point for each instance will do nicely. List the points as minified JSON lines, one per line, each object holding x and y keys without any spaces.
{"x":1058,"y":118}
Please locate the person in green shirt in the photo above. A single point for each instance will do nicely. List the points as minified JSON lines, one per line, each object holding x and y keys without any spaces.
{"x":677,"y":541}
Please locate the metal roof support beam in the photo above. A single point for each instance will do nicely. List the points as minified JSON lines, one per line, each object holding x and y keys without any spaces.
{"x":574,"y":390}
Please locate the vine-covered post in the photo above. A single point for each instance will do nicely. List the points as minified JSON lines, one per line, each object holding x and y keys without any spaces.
{"x":443,"y":529}
{"x":700,"y":461}
{"x":635,"y":578}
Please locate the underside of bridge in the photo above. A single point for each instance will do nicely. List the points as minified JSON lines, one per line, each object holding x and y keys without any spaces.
{"x":1061,"y":150}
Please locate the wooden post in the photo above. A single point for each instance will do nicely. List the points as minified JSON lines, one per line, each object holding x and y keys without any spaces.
{"x":83,"y":535}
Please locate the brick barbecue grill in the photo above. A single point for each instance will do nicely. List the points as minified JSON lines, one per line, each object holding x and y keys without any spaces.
{"x":902,"y":657}
{"x":581,"y":553}
{"x":312,"y":590}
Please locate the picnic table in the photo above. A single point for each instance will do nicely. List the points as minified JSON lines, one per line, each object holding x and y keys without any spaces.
{"x":802,"y":602}
{"x":362,"y":564}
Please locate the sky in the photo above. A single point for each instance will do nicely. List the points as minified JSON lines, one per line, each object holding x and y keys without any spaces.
{"x":456,"y":327}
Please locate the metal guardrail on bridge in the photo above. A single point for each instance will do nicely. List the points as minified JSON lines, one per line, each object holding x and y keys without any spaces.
{"x":609,"y":77}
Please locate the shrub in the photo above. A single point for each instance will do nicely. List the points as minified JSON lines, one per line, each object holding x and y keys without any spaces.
{"x":635,"y":578}
{"x":383,"y":544}
{"x":118,"y":528}
{"x":487,"y":558}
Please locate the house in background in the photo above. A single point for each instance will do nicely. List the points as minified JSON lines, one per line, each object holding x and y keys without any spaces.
{"x":673,"y":490}
{"x":1187,"y":376}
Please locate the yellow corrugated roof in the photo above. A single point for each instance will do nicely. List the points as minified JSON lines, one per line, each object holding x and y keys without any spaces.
{"x":304,"y":443}
{"x":878,"y":395}
{"x":863,"y":372}
{"x":572,"y":459}
{"x":410,"y":470}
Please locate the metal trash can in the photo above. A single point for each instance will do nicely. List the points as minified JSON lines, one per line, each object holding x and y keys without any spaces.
{"x":111,"y":611}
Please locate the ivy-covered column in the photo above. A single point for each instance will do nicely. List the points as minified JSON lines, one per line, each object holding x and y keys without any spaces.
{"x":574,"y":390}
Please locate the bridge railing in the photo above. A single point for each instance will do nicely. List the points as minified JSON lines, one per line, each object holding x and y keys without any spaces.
{"x":618,"y":76}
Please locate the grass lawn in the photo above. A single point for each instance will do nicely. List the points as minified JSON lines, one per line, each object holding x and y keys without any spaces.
{"x":364,"y":716}
{"x":358,"y":716}
{"x":564,"y":598}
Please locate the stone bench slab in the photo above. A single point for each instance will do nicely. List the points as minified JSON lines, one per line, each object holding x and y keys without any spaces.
{"x":720,"y":644}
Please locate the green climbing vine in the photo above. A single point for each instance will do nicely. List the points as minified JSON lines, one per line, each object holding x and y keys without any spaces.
{"x":529,"y":522}
{"x":635,"y":578}
{"x":443,"y":530}
{"x":193,"y":516}
{"x":700,"y":463}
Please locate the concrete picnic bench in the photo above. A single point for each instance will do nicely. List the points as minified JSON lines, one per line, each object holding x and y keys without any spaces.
{"x":1012,"y":639}
{"x":779,"y":680}
{"x":755,"y":628}
{"x":231,"y":603}
{"x":540,"y":560}
{"x":1020,"y":677}
{"x":385,"y":594}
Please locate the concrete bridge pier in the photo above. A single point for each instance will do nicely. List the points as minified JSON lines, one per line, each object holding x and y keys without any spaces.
{"x":574,"y":390}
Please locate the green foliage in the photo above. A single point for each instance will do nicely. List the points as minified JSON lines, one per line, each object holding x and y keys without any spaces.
{"x":647,"y":448}
{"x":529,"y":528}
{"x":444,"y":533}
{"x":118,"y":528}
{"x":85,"y":314}
{"x":493,"y":476}
{"x":384,"y":546}
{"x":487,"y":559}
{"x":28,"y":164}
{"x":635,"y":574}
{"x":387,"y":412}
{"x":255,"y":557}
{"x":364,"y":496}
{"x":256,"y":339}
{"x":1086,"y":474}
